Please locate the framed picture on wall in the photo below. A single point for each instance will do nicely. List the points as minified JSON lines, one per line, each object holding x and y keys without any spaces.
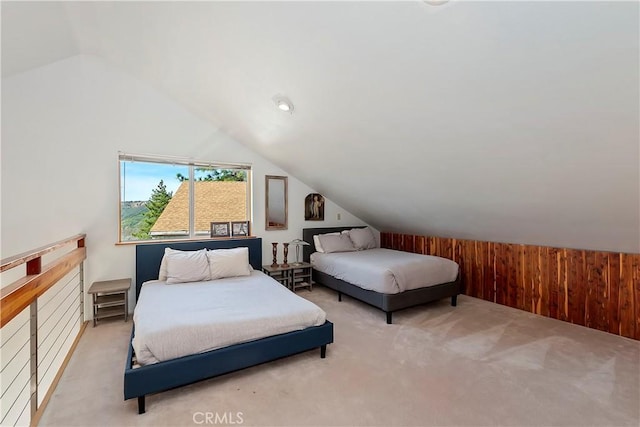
{"x":240,"y":228}
{"x":314,"y":207}
{"x":220,"y":229}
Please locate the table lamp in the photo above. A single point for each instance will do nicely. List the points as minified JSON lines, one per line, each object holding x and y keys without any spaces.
{"x":297,"y":243}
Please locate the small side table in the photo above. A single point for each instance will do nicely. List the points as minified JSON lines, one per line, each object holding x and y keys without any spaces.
{"x":301,"y":276}
{"x":293,"y":276}
{"x":110,"y":298}
{"x":278,"y":273}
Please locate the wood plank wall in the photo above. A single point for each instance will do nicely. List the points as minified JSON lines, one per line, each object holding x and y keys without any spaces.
{"x":600,"y":290}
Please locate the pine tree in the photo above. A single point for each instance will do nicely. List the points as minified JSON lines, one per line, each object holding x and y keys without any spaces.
{"x":159,"y":199}
{"x":217,"y":175}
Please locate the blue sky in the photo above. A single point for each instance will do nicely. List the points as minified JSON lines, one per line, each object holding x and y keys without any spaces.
{"x":137,"y":179}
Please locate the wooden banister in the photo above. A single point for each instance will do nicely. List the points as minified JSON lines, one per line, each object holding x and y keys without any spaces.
{"x":14,"y":261}
{"x":38,"y":278}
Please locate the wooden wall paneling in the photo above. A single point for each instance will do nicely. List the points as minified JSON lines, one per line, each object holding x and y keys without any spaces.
{"x":545,"y":281}
{"x":468,"y":253}
{"x":482,"y":267}
{"x":553,"y":263}
{"x":408,"y":243}
{"x":400,"y":242}
{"x":456,"y":250}
{"x":590,"y":291}
{"x":533,"y":270}
{"x":520,"y":278}
{"x":635,"y":281}
{"x":600,"y":290}
{"x":537,"y":271}
{"x":510,"y":260}
{"x":576,"y":282}
{"x":434,"y":246}
{"x":396,"y":241}
{"x":405,"y":244}
{"x":613,"y":290}
{"x":563,"y":297}
{"x":481,"y":262}
{"x":420,"y":245}
{"x":447,"y":250}
{"x":383,"y":240}
{"x":501,"y":277}
{"x":463,"y":267}
{"x":488,"y":274}
{"x":595,"y":294}
{"x":437,"y":246}
{"x":428,"y":245}
{"x":531,"y":266}
{"x":469,"y":279}
{"x":626,"y":297}
{"x":477,"y":268}
{"x":572,"y":277}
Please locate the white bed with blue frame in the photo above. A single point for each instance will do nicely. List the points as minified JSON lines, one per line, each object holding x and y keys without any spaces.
{"x":140,"y":381}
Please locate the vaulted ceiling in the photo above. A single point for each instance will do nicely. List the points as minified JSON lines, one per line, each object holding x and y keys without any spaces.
{"x":504,"y":121}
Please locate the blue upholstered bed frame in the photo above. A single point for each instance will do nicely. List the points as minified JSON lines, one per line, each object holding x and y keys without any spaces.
{"x":144,"y":380}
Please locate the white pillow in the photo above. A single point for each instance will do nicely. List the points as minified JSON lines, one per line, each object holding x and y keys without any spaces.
{"x":162,"y":274}
{"x":336,"y":243}
{"x":363,"y":238}
{"x":186,"y":266}
{"x":318,"y":244}
{"x":229,"y":262}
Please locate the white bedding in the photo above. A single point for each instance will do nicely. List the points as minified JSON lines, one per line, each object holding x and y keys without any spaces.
{"x":386,"y":271}
{"x":181,"y":319}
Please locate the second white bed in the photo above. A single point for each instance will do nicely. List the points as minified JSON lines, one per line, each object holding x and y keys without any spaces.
{"x":180,"y":319}
{"x":386,"y":271}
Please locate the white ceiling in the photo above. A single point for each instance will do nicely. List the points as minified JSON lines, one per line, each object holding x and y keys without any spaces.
{"x":505,"y":121}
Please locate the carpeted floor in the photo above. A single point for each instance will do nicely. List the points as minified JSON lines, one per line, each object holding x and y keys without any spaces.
{"x":476,"y":364}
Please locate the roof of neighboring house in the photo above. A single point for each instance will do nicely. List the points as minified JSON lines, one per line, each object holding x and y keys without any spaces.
{"x":214,"y":201}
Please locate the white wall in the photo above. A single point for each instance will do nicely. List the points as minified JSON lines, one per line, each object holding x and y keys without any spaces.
{"x":62,"y":128}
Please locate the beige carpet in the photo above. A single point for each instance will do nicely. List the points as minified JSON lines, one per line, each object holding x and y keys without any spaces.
{"x":475,"y":364}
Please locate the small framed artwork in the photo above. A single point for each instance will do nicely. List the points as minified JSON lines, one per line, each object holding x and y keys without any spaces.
{"x":220,"y":229}
{"x":314,"y":207}
{"x":240,"y":228}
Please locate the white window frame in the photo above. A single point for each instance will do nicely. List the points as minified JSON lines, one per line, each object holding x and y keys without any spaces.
{"x":192,"y":165}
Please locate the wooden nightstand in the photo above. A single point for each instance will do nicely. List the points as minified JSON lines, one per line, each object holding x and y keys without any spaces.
{"x":293,"y":277}
{"x":301,"y":276}
{"x":110,"y":298}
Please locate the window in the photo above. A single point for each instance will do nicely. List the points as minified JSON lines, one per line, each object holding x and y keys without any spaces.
{"x":166,"y":198}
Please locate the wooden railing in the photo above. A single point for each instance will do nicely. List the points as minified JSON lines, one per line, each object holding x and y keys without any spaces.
{"x":34,"y":349}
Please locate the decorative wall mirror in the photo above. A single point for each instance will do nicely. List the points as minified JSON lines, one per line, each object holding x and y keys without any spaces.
{"x":276,"y":202}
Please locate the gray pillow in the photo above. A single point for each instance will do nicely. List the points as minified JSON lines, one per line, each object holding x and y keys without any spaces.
{"x":363,"y":238}
{"x":336,"y":243}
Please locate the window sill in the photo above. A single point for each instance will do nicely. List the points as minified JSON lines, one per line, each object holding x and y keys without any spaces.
{"x":196,"y":239}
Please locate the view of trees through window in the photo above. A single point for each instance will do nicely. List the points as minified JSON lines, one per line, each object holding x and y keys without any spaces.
{"x":155,"y":200}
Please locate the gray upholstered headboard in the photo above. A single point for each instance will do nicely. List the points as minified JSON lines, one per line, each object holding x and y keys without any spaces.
{"x":308,"y":233}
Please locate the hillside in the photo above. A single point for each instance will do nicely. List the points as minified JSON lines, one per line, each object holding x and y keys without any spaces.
{"x":132,"y":214}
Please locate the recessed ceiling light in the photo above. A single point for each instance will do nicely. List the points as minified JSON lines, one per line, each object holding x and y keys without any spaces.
{"x":283,"y":103}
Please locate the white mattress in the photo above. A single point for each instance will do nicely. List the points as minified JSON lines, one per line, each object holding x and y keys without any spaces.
{"x":386,"y":271}
{"x":181,"y":319}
